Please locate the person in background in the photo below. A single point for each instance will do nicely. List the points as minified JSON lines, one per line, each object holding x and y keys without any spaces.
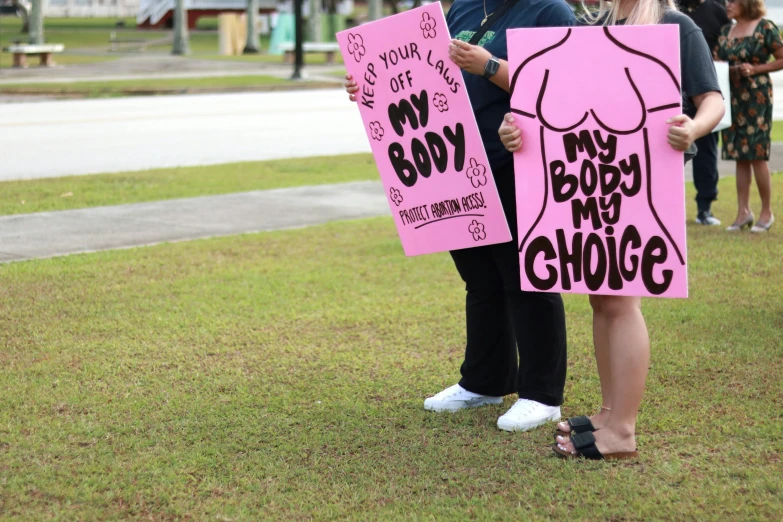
{"x":620,"y":337}
{"x":710,"y":16}
{"x":516,"y":341}
{"x":748,"y":46}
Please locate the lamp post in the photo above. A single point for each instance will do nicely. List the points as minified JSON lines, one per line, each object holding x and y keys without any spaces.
{"x":299,"y":36}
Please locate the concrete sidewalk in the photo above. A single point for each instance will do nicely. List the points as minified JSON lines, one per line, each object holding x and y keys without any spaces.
{"x":161,"y":66}
{"x":50,"y":234}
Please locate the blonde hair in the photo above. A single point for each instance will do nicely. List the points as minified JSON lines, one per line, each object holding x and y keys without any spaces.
{"x":645,"y":12}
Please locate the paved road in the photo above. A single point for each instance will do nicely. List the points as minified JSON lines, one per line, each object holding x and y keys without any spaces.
{"x":156,"y":66}
{"x":62,"y":138}
{"x":150,"y":65}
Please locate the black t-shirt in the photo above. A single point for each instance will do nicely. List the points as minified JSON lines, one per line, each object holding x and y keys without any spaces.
{"x":698,"y":71}
{"x":490,"y":103}
{"x":709,"y":16}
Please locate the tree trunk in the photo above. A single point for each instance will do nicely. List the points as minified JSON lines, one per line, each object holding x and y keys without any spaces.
{"x":23,"y":10}
{"x":36,"y":29}
{"x":315,"y":21}
{"x":376,"y":9}
{"x":253,"y":45}
{"x":181,"y":40}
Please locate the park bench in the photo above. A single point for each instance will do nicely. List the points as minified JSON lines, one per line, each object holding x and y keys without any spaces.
{"x":328,"y":48}
{"x":45,"y":51}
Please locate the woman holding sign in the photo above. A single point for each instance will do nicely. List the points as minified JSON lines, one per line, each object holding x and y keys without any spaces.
{"x":516,"y":341}
{"x":621,"y":341}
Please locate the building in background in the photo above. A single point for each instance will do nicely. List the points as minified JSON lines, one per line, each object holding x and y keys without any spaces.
{"x":155,"y":14}
{"x":90,"y":8}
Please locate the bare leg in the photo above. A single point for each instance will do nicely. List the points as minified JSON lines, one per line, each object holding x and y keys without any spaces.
{"x":602,"y":359}
{"x":743,"y":191}
{"x":629,"y":359}
{"x":601,"y":346}
{"x":764,"y":183}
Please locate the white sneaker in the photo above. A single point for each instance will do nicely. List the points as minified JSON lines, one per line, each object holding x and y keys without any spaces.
{"x":706,"y":218}
{"x":527,"y":414}
{"x":457,"y":398}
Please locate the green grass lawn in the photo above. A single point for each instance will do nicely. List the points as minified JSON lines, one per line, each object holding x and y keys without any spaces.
{"x":87,"y":40}
{"x":66,"y":193}
{"x":777,"y":131}
{"x":79,"y":35}
{"x":73,"y":24}
{"x":20,"y":197}
{"x":281,"y":376}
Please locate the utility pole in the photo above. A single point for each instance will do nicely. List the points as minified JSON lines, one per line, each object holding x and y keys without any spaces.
{"x":253,"y":44}
{"x":36,"y":31}
{"x":181,"y":43}
{"x":376,"y":9}
{"x":299,"y":38}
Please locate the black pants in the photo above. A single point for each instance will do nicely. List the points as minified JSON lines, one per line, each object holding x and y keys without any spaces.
{"x":705,"y":171}
{"x":504,"y":323}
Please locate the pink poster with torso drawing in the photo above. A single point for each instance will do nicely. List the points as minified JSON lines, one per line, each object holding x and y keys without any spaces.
{"x":600,"y":192}
{"x":423,"y":133}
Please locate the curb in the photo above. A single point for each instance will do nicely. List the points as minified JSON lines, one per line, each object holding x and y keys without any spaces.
{"x":162,"y":92}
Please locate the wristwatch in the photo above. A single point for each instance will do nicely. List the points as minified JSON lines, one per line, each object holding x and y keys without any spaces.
{"x":491,"y":67}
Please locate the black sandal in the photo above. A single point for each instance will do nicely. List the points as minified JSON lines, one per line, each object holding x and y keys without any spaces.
{"x":584,"y":444}
{"x":579,"y":424}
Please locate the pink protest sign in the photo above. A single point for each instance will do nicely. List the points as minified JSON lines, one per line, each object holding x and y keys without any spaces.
{"x":423,"y":133}
{"x":600,"y":193}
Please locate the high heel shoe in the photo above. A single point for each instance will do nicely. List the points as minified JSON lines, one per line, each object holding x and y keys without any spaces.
{"x":747,"y":222}
{"x":763,"y":227}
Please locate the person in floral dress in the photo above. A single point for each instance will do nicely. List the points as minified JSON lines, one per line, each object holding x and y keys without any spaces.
{"x":748,"y":46}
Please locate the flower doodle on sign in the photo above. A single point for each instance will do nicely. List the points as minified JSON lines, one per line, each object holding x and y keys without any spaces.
{"x":356,"y":46}
{"x":477,"y":229}
{"x":427,"y":25}
{"x":376,"y":130}
{"x":395,"y":196}
{"x":440,"y":102}
{"x":476,"y":172}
